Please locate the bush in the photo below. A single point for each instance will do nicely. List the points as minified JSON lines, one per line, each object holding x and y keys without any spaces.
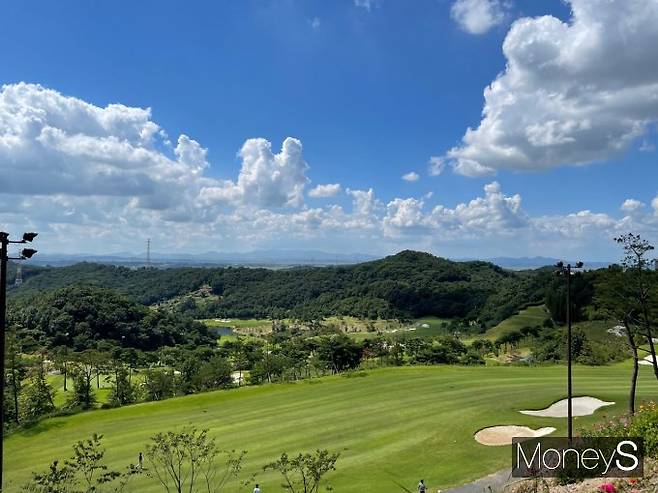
{"x":644,"y":424}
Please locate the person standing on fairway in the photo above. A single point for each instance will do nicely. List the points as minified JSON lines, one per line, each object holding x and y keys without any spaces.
{"x":256,"y":489}
{"x":421,"y":487}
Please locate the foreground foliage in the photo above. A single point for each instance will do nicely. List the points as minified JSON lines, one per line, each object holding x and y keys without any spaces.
{"x":84,"y":472}
{"x":304,"y":473}
{"x":186,"y":460}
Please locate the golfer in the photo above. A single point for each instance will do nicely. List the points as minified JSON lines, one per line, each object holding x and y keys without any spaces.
{"x":256,"y":489}
{"x":421,"y":487}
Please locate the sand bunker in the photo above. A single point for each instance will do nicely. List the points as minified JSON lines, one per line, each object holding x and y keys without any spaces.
{"x":502,"y":435}
{"x":648,"y":360}
{"x":581,"y":406}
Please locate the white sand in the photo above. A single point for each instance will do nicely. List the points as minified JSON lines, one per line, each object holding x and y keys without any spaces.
{"x":503,"y":435}
{"x":581,"y":406}
{"x":648,"y":360}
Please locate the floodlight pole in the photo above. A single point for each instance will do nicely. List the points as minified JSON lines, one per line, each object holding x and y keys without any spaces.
{"x":4,"y":240}
{"x":565,"y":270}
{"x":4,"y":258}
{"x":569,"y":358}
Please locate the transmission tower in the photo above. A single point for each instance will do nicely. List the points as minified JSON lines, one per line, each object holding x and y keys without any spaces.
{"x":19,"y":275}
{"x":148,"y":251}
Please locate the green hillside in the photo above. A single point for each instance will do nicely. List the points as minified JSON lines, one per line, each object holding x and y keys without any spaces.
{"x":406,"y":285}
{"x":392,"y":424}
{"x":529,"y":317}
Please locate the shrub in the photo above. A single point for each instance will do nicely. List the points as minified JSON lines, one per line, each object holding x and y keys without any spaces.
{"x":644,"y":424}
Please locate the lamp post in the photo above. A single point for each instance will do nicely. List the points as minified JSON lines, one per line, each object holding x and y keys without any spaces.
{"x":4,"y":258}
{"x":566,"y":270}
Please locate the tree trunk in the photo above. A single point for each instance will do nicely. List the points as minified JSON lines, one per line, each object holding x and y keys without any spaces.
{"x":14,"y":386}
{"x":636,"y":367}
{"x":652,"y":347}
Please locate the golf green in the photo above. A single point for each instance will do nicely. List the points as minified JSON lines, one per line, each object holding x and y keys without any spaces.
{"x":391,"y":426}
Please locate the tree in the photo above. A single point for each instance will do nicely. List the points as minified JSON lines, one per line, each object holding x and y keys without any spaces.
{"x":123,"y":392}
{"x":61,"y":355}
{"x":214,"y":374}
{"x":642,"y":286}
{"x":238,"y":351}
{"x":158,"y":384}
{"x":617,"y":302}
{"x":305,"y":472}
{"x":339,"y":352}
{"x":185,"y":459}
{"x":84,"y":370}
{"x":36,"y":399}
{"x":16,"y":372}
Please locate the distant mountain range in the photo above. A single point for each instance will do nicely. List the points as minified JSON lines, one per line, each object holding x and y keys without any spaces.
{"x":518,"y":263}
{"x":269,"y":258}
{"x":260,"y":258}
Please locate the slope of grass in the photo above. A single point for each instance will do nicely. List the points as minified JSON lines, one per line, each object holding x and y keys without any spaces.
{"x":394,"y":424}
{"x":531,"y":316}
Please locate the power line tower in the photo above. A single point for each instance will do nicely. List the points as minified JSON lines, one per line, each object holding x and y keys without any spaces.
{"x":148,"y":252}
{"x":19,"y":275}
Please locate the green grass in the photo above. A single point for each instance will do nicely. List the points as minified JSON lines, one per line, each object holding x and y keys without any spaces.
{"x":102,"y":393}
{"x":393,"y":424}
{"x":531,"y":316}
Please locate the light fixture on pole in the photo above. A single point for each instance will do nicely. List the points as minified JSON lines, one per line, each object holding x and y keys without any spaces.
{"x":26,"y":253}
{"x":567,"y":271}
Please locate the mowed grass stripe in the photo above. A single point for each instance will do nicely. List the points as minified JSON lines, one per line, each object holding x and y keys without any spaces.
{"x":531,"y":316}
{"x":401,"y":423}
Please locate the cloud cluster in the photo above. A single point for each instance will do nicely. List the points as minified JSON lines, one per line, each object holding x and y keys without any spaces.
{"x":592,"y":84}
{"x":266,"y":179}
{"x":52,"y":144}
{"x":72,"y":170}
{"x":324,"y":191}
{"x":478,"y":16}
{"x":493,"y":214}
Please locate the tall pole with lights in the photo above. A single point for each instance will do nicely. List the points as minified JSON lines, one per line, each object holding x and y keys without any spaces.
{"x":4,"y":258}
{"x":567,"y":272}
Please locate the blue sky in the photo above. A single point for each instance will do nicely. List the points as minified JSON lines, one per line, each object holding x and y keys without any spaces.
{"x":371,"y":90}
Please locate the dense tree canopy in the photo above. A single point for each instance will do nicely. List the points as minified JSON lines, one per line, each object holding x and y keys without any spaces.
{"x":409,"y":284}
{"x":81,"y":316}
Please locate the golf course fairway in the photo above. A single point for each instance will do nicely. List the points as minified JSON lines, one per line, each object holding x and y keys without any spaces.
{"x":392,"y":425}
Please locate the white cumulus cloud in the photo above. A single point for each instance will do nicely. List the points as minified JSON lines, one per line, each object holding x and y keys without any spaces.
{"x":323,"y":191}
{"x":478,"y":16}
{"x":632,"y":205}
{"x":266,"y":179}
{"x":411,"y":176}
{"x":572,"y":92}
{"x":436,"y":165}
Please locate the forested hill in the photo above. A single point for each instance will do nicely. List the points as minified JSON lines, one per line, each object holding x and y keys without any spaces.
{"x":409,"y":284}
